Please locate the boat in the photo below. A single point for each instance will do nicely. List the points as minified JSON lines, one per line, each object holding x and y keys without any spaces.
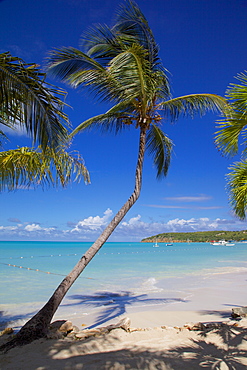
{"x":170,"y":243}
{"x":223,"y":243}
{"x":156,"y":245}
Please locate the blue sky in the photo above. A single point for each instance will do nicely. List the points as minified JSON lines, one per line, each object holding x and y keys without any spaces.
{"x":203,"y":45}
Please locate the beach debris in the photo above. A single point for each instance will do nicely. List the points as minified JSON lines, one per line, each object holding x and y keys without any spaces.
{"x":215,"y":325}
{"x":239,"y":312}
{"x":5,"y":335}
{"x":60,"y":329}
{"x":195,"y":326}
{"x":86,"y":333}
{"x":7,"y":331}
{"x":122,"y":324}
{"x":199,"y":326}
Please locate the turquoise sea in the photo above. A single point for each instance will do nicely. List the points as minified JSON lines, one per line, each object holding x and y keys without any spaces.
{"x":30,"y":271}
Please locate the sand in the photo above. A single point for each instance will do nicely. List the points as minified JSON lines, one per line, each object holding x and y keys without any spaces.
{"x":158,"y":337}
{"x":152,"y":348}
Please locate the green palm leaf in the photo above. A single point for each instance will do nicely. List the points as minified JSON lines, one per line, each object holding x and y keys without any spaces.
{"x":234,"y":125}
{"x":228,"y":134}
{"x":27,"y":101}
{"x":237,"y":187}
{"x":28,"y":167}
{"x":111,"y":121}
{"x":101,"y":43}
{"x":132,"y":25}
{"x":80,"y":70}
{"x":192,"y":104}
{"x":160,"y":146}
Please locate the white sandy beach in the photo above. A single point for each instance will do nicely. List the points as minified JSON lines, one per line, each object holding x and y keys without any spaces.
{"x":157,"y":338}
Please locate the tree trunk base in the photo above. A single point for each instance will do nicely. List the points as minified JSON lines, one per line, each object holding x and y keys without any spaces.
{"x":25,"y":336}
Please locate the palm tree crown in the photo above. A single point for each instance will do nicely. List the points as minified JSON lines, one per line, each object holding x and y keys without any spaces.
{"x":121,"y":65}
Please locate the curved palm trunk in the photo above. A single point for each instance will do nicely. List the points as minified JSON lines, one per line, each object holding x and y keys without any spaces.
{"x":37,"y":326}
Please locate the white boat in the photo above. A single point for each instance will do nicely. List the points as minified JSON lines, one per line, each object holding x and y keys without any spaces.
{"x":156,"y":245}
{"x":170,"y":243}
{"x":223,"y":243}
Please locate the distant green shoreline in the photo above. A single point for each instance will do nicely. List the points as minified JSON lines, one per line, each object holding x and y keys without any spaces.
{"x":197,"y":236}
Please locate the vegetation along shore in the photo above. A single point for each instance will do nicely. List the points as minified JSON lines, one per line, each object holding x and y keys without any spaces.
{"x":199,"y":236}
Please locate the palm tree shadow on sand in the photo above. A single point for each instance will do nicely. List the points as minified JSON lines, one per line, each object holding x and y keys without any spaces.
{"x":228,"y":353}
{"x":7,"y":319}
{"x":116,"y":303}
{"x":222,"y":348}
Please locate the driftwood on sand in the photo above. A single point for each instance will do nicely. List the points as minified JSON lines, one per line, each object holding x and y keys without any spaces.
{"x":219,"y":345}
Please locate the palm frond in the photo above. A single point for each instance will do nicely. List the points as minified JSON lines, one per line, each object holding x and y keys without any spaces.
{"x":27,"y":100}
{"x":132,"y":25}
{"x":237,"y":187}
{"x":29,"y":167}
{"x":234,"y":125}
{"x":100,"y":43}
{"x":237,"y":94}
{"x":189,"y":105}
{"x":80,"y":70}
{"x":229,"y":131}
{"x":129,"y":68}
{"x":160,"y":146}
{"x":64,"y":62}
{"x":134,"y":77}
{"x":111,"y":121}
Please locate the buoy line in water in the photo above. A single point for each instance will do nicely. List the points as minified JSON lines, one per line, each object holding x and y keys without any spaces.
{"x":100,"y":253}
{"x":38,"y":270}
{"x":110,"y":253}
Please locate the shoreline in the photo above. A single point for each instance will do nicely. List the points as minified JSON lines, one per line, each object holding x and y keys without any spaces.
{"x":203,"y":297}
{"x":158,"y":335}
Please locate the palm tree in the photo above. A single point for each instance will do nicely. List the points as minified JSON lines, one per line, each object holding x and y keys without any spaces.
{"x":120,"y":65}
{"x":27,"y":101}
{"x":231,"y":129}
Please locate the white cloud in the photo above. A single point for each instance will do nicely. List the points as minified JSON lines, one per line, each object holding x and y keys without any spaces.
{"x":191,"y":224}
{"x":93,"y":222}
{"x":181,"y":207}
{"x":132,"y":229}
{"x":132,"y":221}
{"x":37,"y":227}
{"x":200,"y":198}
{"x":32,"y":227}
{"x":8,"y":228}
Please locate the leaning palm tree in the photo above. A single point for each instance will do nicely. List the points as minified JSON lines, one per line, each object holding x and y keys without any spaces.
{"x":231,"y":129}
{"x":120,"y":65}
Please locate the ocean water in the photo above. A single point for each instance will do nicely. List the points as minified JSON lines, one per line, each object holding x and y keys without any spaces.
{"x":30,"y":271}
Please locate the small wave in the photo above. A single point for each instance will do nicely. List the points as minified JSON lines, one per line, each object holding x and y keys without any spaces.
{"x":223,"y":270}
{"x":149,"y":285}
